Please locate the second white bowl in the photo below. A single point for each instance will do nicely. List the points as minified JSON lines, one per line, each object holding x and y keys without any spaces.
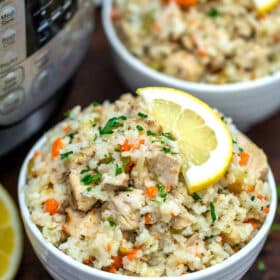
{"x":247,"y":102}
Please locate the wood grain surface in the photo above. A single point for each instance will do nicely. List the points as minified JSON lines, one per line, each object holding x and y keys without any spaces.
{"x":97,"y":80}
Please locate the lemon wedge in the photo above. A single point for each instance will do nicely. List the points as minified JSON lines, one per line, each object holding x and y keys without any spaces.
{"x":10,"y":237}
{"x":265,"y":6}
{"x":204,"y":141}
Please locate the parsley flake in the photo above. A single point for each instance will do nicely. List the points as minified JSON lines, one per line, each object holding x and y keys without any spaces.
{"x":166,"y":150}
{"x":111,"y":223}
{"x":195,"y":196}
{"x":95,"y":104}
{"x":88,"y":179}
{"x":111,"y":124}
{"x":142,"y":115}
{"x":168,"y":136}
{"x":161,"y":191}
{"x":213,"y":13}
{"x":150,"y":133}
{"x":139,"y":128}
{"x":65,"y":155}
{"x":213,"y":213}
{"x":118,"y":170}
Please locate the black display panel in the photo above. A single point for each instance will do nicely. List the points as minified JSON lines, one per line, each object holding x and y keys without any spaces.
{"x":44,"y":19}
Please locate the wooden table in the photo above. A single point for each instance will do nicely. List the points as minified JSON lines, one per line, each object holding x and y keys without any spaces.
{"x":97,"y":80}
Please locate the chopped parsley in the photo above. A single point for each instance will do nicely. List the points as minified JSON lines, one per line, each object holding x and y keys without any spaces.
{"x":111,"y":223}
{"x":89,"y":189}
{"x":82,"y":237}
{"x":118,"y":170}
{"x":95,"y":104}
{"x":111,"y":124}
{"x":126,"y":161}
{"x":72,"y":135}
{"x":166,"y":150}
{"x":88,"y":179}
{"x":142,"y":115}
{"x":240,"y":149}
{"x":95,"y":137}
{"x":253,"y":197}
{"x":234,"y":142}
{"x":168,"y":136}
{"x":108,"y":159}
{"x":213,"y":13}
{"x":161,"y":190}
{"x":236,"y":246}
{"x":195,"y":196}
{"x":65,"y":155}
{"x":139,"y":127}
{"x":128,"y":190}
{"x":213,"y":213}
{"x":84,"y":171}
{"x":150,"y":133}
{"x":261,"y":266}
{"x":157,"y":202}
{"x":67,"y":114}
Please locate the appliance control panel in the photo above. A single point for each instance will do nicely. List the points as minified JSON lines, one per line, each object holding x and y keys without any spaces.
{"x":41,"y":46}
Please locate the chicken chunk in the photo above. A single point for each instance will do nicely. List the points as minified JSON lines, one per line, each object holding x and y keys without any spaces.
{"x":115,"y":182}
{"x":78,"y":224}
{"x":75,"y":191}
{"x":182,"y":220}
{"x":184,"y":65}
{"x":165,"y":166}
{"x":257,"y":163}
{"x":125,"y":208}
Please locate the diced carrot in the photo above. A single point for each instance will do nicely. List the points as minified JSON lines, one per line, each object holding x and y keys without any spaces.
{"x":112,"y":269}
{"x":252,"y":222}
{"x":266,"y":210}
{"x":117,"y":261}
{"x":250,"y":188}
{"x":67,"y":128}
{"x":148,"y":219}
{"x":132,"y":253}
{"x":261,"y":197}
{"x":142,"y":141}
{"x":202,"y":53}
{"x":172,"y":214}
{"x":151,"y":192}
{"x":57,"y":146}
{"x":156,"y":27}
{"x":36,"y":154}
{"x":129,"y":166}
{"x":186,"y":3}
{"x":51,"y":206}
{"x":108,"y":247}
{"x":127,"y":146}
{"x":244,"y":157}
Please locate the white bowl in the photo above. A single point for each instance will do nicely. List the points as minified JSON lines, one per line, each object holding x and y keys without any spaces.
{"x":247,"y":102}
{"x":62,"y":267}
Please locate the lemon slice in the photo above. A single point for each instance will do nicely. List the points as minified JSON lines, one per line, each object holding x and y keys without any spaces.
{"x":10,"y":237}
{"x":265,"y":6}
{"x":204,"y":141}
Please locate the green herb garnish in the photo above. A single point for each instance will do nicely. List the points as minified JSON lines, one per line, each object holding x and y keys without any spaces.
{"x":253,"y":197}
{"x":125,"y":162}
{"x":65,"y":155}
{"x":150,"y":133}
{"x":161,"y":190}
{"x":139,"y":128}
{"x":166,"y":150}
{"x":84,"y":171}
{"x":236,"y":246}
{"x":88,"y":179}
{"x":213,"y":13}
{"x":71,"y":135}
{"x":261,"y":266}
{"x":67,"y":114}
{"x":212,"y":211}
{"x":240,"y":149}
{"x":168,"y":136}
{"x":111,"y":223}
{"x":89,"y":189}
{"x":95,"y":137}
{"x":82,"y":237}
{"x":118,"y":170}
{"x":195,"y":196}
{"x":157,"y":202}
{"x":111,"y":124}
{"x":234,"y":142}
{"x":142,"y":115}
{"x":95,"y":104}
{"x":108,"y":159}
{"x":128,"y":190}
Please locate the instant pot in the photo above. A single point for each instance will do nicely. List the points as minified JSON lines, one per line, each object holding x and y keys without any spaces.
{"x":42,"y":42}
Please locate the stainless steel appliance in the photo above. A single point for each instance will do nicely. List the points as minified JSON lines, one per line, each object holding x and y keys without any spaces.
{"x":41,"y":44}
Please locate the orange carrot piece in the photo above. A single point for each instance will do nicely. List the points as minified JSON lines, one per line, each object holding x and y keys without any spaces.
{"x":57,"y":146}
{"x":266,"y":210}
{"x":202,"y":53}
{"x":112,"y":269}
{"x":36,"y":154}
{"x":252,"y":222}
{"x":244,"y":158}
{"x":151,"y":192}
{"x":117,"y":261}
{"x":141,"y":141}
{"x":67,"y":128}
{"x":185,"y":3}
{"x":156,"y":27}
{"x":148,"y":219}
{"x":127,"y":146}
{"x":108,"y":247}
{"x":129,"y":166}
{"x":250,"y":188}
{"x":51,"y":206}
{"x":261,"y":197}
{"x":132,"y":254}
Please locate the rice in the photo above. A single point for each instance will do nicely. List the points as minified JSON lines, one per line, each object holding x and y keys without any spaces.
{"x":98,"y":201}
{"x":217,"y":42}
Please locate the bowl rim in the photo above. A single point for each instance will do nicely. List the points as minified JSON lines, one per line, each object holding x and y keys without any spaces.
{"x":230,"y":88}
{"x":202,"y":274}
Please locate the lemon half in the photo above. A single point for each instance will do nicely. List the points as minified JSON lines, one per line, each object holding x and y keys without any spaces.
{"x":205,"y":142}
{"x":10,"y":237}
{"x":265,"y":6}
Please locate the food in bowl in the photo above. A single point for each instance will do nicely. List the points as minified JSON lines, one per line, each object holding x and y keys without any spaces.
{"x":107,"y":189}
{"x":204,"y":41}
